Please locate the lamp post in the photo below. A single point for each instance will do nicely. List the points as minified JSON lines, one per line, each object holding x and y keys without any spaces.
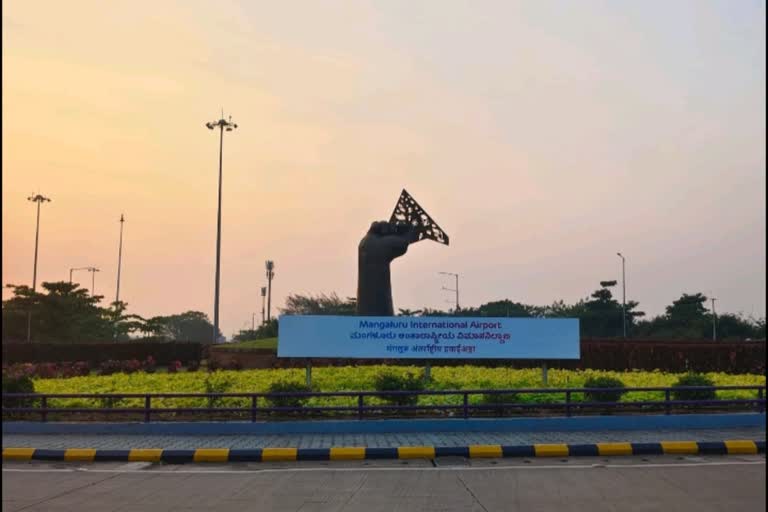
{"x":714,"y":321}
{"x":453,"y":289}
{"x":93,"y":271}
{"x":39,"y":199}
{"x":119,"y":259}
{"x":227,"y":125}
{"x":270,"y":265}
{"x":623,"y":294}
{"x":73,"y":269}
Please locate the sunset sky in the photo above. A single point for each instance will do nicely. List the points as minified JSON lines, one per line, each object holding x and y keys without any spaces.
{"x":543,"y":136}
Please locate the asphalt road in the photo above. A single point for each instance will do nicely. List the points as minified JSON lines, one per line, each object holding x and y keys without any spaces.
{"x":701,"y":484}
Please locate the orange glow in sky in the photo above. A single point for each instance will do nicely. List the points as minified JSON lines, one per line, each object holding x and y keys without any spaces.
{"x":542,"y":136}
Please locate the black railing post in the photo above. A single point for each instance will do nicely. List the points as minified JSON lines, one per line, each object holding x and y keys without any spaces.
{"x":466,"y":405}
{"x":44,"y":408}
{"x":761,"y":405}
{"x":147,"y":407}
{"x":254,"y":405}
{"x":568,"y":403}
{"x":360,"y":406}
{"x":666,"y":400}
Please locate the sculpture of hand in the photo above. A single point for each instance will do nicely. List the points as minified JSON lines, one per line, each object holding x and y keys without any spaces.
{"x":384,"y":242}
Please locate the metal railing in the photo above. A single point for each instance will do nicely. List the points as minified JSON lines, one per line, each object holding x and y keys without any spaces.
{"x":262,"y":405}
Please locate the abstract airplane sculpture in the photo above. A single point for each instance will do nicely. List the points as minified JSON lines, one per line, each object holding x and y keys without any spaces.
{"x":384,"y":242}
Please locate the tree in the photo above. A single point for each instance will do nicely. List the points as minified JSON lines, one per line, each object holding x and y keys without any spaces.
{"x":187,"y":326}
{"x":408,"y":312}
{"x":266,"y":330}
{"x":322,"y":304}
{"x":62,"y":312}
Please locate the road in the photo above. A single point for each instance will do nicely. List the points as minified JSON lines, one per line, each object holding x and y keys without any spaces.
{"x":700,"y":484}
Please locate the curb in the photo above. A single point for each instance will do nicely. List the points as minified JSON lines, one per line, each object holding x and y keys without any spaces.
{"x":730,"y":447}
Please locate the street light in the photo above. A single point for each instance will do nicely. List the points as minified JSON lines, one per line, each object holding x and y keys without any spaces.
{"x":93,"y":271}
{"x":73,"y":269}
{"x":39,"y":199}
{"x":453,"y":289}
{"x":227,"y":125}
{"x":714,"y":321}
{"x":623,"y":294}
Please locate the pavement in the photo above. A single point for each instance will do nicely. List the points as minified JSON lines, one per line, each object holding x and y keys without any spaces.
{"x":373,"y":440}
{"x":681,"y":483}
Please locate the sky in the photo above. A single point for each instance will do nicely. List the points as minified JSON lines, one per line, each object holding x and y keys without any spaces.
{"x":543,"y":136}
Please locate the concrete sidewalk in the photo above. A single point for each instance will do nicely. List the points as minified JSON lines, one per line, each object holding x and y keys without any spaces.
{"x":386,"y":440}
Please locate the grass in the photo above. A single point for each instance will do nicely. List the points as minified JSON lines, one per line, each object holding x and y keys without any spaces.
{"x":270,"y":343}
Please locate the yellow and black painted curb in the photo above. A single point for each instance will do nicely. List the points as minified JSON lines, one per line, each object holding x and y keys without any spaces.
{"x":731,"y":447}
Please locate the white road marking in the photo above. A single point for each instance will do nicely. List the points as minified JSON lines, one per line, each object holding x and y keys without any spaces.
{"x":375,"y":469}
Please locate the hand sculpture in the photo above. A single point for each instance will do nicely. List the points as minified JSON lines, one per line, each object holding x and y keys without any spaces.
{"x":384,"y":242}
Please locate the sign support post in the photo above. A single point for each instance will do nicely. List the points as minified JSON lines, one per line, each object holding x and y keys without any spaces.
{"x":544,"y":373}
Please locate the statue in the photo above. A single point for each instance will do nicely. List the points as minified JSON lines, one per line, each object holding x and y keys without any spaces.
{"x":385,"y":241}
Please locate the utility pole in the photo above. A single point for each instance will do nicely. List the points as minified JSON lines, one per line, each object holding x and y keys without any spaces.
{"x":456,"y":276}
{"x":263,"y":298}
{"x":39,"y":199}
{"x":227,"y":125}
{"x":714,"y":321}
{"x":270,"y":274}
{"x":253,"y":321}
{"x":119,"y":259}
{"x":623,"y":295}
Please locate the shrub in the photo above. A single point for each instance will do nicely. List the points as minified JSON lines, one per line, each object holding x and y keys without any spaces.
{"x":397,"y":382}
{"x":174,"y":366}
{"x":18,"y":384}
{"x":131,"y":366}
{"x":150,"y":365}
{"x":193,"y":366}
{"x":47,"y":370}
{"x":693,"y":379}
{"x":78,"y":369}
{"x":234,"y":364}
{"x":287,"y":387}
{"x":614,"y":395}
{"x":109,"y":367}
{"x":216,"y":384}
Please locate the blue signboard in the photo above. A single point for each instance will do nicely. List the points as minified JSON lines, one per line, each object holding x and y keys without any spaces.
{"x":369,"y":337}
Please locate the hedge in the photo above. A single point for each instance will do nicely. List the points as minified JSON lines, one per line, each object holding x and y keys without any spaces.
{"x":94,"y":353}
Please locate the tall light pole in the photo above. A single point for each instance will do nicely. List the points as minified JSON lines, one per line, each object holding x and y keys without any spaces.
{"x":263,"y":298}
{"x":623,"y":294}
{"x":714,"y":321}
{"x":270,"y":265}
{"x":227,"y":125}
{"x":453,"y":289}
{"x":119,"y":260}
{"x":39,"y":199}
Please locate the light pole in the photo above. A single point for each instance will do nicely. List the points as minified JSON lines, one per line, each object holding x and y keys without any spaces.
{"x":227,"y":125}
{"x":119,"y":260}
{"x":623,"y":294}
{"x":270,"y":265}
{"x":73,"y":269}
{"x":263,"y":298}
{"x":714,"y":321}
{"x":39,"y":199}
{"x":453,"y":289}
{"x":93,"y":271}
